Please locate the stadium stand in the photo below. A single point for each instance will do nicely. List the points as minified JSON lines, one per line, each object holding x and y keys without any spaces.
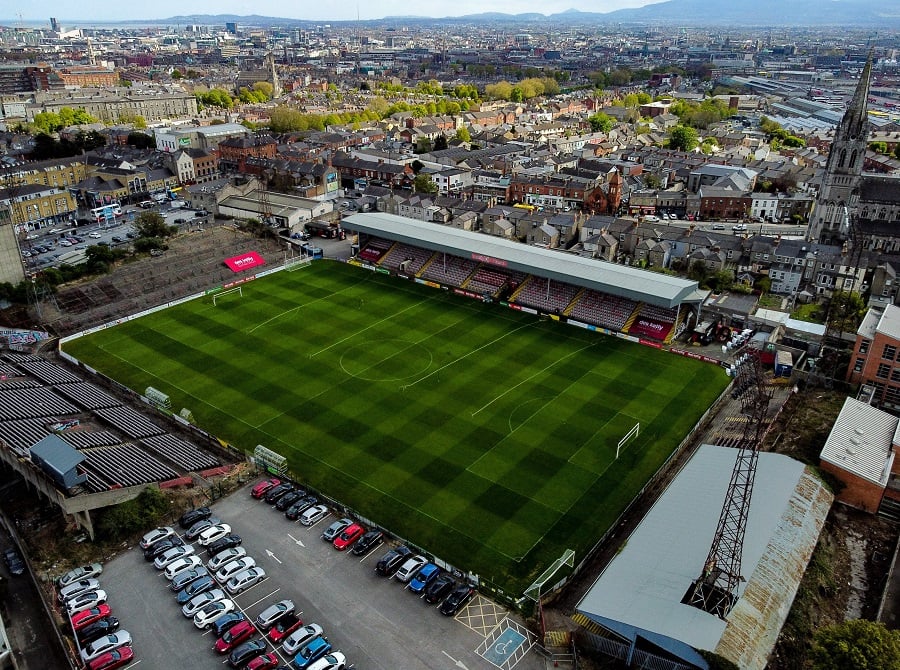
{"x":487,"y":280}
{"x":86,"y":395}
{"x":131,"y":423}
{"x":83,"y":439}
{"x":123,"y":465}
{"x":653,"y":322}
{"x":20,"y":434}
{"x":32,"y":403}
{"x":602,"y":309}
{"x":547,"y":295}
{"x":449,"y":270}
{"x":374,"y":249}
{"x":48,"y":372}
{"x":183,"y":454}
{"x":416,"y":256}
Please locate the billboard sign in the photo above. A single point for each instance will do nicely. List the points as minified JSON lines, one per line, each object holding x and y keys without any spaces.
{"x":246,"y":261}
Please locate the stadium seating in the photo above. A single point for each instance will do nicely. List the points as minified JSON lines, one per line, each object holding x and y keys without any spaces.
{"x":449,"y":270}
{"x":535,"y":294}
{"x":123,"y":465}
{"x":416,"y":256}
{"x":653,"y":322}
{"x":487,"y":280}
{"x":602,"y":309}
{"x":374,"y":249}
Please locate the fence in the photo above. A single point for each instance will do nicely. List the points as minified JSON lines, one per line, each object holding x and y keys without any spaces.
{"x":621,"y":651}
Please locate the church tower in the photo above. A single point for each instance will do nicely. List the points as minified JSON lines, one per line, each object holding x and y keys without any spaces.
{"x":273,"y":75}
{"x":839,"y":193}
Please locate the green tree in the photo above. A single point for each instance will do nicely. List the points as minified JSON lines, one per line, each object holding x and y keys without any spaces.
{"x":856,"y":645}
{"x":879,"y":147}
{"x":846,"y":311}
{"x":463,"y":134}
{"x":265,"y":88}
{"x":424,"y":184}
{"x":176,"y":75}
{"x":151,"y":224}
{"x":440,"y":142}
{"x":600,"y":122}
{"x":683,"y":138}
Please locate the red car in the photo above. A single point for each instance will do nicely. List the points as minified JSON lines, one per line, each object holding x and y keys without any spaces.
{"x":112,"y":659}
{"x":284,"y":627}
{"x":263,"y":487}
{"x":264,"y":662}
{"x":348,"y":537}
{"x":232,"y":637}
{"x":89,"y":616}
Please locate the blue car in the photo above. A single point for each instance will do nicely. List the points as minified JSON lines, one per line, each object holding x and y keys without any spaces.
{"x":195,"y":587}
{"x":311,"y":652}
{"x":427,"y":574}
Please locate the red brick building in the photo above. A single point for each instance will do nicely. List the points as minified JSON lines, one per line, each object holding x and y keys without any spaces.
{"x":875,"y":360}
{"x":234,"y":151}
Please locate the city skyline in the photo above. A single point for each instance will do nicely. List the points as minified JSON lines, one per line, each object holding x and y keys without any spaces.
{"x":108,"y":11}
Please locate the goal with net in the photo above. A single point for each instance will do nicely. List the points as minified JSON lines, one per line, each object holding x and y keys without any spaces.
{"x":232,"y":291}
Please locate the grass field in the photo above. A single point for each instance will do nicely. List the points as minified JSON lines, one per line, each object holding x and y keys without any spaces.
{"x":485,"y":435}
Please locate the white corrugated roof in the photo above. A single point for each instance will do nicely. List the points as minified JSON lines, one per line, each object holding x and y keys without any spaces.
{"x":644,"y":584}
{"x":860,"y":441}
{"x":889,"y":323}
{"x":869,"y":323}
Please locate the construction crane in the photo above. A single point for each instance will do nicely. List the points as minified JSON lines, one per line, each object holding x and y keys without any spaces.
{"x":716,"y":589}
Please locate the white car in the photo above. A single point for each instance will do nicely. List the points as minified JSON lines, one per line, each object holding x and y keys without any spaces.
{"x":208,"y":613}
{"x":213,"y":533}
{"x":409,"y":568}
{"x":333,"y":661}
{"x":201,"y":600}
{"x":77,"y":588}
{"x":121,"y":638}
{"x":181,"y":565}
{"x":85,"y":601}
{"x":95,"y":235}
{"x":244,"y":579}
{"x":81,"y":572}
{"x":299,"y":637}
{"x":229,"y":569}
{"x":313,"y":515}
{"x":225,"y":556}
{"x":156,"y":535}
{"x":171,"y":555}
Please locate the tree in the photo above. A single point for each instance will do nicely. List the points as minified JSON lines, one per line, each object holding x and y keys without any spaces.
{"x":424,"y":184}
{"x":600,"y":122}
{"x":683,"y":138}
{"x":856,"y":645}
{"x":151,"y":224}
{"x":463,"y":134}
{"x":879,"y":147}
{"x":265,"y":88}
{"x":846,"y":311}
{"x":440,"y":142}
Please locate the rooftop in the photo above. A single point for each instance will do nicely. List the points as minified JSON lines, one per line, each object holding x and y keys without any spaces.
{"x":860,"y":441}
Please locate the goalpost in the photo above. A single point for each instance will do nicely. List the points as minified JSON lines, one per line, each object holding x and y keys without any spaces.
{"x":630,"y":434}
{"x":229,"y":291}
{"x":296,"y":262}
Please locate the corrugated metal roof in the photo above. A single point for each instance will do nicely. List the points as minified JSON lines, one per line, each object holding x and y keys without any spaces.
{"x":621,"y":280}
{"x":889,"y":323}
{"x":860,"y":441}
{"x":869,"y":323}
{"x":644,"y":584}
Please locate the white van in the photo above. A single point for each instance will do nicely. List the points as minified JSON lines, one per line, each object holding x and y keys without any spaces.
{"x":650,"y":218}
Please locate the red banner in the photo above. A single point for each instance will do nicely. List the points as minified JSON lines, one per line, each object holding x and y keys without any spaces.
{"x":251,"y":259}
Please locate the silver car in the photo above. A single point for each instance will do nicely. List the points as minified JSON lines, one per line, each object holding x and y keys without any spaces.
{"x":171,"y":555}
{"x":225,"y":556}
{"x":244,"y":579}
{"x":77,"y":588}
{"x":81,"y":572}
{"x":201,"y":600}
{"x":299,"y":637}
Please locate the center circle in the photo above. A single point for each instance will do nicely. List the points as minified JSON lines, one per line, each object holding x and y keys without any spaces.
{"x":387,"y":360}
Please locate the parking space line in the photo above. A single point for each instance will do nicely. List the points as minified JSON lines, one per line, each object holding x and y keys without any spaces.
{"x":261,"y":599}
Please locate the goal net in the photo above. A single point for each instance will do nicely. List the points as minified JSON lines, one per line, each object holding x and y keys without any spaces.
{"x":296,"y":262}
{"x":232,"y":291}
{"x":629,"y":435}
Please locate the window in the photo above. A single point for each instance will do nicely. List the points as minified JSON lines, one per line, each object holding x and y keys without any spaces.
{"x":864,"y":346}
{"x":892,"y":395}
{"x":895,"y":375}
{"x":858,"y":366}
{"x":890,"y":351}
{"x":883,"y":371}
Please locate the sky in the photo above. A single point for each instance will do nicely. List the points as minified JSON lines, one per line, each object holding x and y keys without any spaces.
{"x":115,"y":10}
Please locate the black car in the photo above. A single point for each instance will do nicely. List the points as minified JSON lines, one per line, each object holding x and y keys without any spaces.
{"x":182,"y":579}
{"x":14,"y":562}
{"x":288,"y":499}
{"x":367,"y":542}
{"x":97,"y":630}
{"x":227,"y":621}
{"x":223,"y":543}
{"x":389,"y":563}
{"x":457,"y":598}
{"x":242,"y":653}
{"x":274,"y":494}
{"x":439,"y":588}
{"x":162,"y":547}
{"x":192,"y":516}
{"x":116,"y":238}
{"x":179,"y":221}
{"x":194,"y":531}
{"x":195,"y":587}
{"x":294,"y":511}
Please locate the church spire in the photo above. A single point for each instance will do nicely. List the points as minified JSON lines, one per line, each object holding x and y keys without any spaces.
{"x":856,"y":118}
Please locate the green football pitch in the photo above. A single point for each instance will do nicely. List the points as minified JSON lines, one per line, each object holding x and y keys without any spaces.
{"x":484,"y":435}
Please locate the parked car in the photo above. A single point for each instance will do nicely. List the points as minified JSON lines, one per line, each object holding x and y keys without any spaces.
{"x":207,"y":614}
{"x":311,"y":652}
{"x":739,"y":227}
{"x":718,"y":226}
{"x":244,"y":579}
{"x":265,"y":662}
{"x":195,"y":588}
{"x":226,"y":621}
{"x":192,"y":516}
{"x":439,"y":588}
{"x":161,"y":547}
{"x":274,"y":613}
{"x":104,"y":644}
{"x":180,"y":221}
{"x":458,"y":597}
{"x":14,"y":562}
{"x":172,"y":555}
{"x":156,"y":535}
{"x":289,"y":499}
{"x":182,"y":565}
{"x":98,"y":629}
{"x":301,"y":636}
{"x":276,"y":492}
{"x":224,"y":543}
{"x":410,"y":568}
{"x":225,"y":556}
{"x":117,"y":658}
{"x":313,"y":515}
{"x":201,"y":600}
{"x":194,"y":531}
{"x":245,"y":652}
{"x":388,"y":564}
{"x":296,"y":510}
{"x":348,"y":536}
{"x":182,"y":580}
{"x":85,"y":601}
{"x":231,"y":638}
{"x":284,"y":627}
{"x":213,"y":533}
{"x":231,"y":568}
{"x":86,"y":617}
{"x":263,"y":487}
{"x":367,"y":542}
{"x":333,"y":661}
{"x":426,"y":574}
{"x":77,"y":588}
{"x":335,"y":529}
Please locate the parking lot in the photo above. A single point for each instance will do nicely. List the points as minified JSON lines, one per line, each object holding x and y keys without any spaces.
{"x":374,"y":621}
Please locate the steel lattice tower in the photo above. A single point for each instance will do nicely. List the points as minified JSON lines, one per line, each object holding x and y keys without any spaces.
{"x":716,"y":589}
